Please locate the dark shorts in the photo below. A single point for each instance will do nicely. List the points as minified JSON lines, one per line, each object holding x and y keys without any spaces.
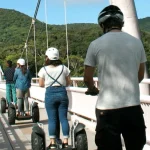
{"x":127,"y":121}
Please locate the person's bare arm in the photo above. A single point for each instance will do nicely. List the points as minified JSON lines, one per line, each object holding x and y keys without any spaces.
{"x":41,"y":82}
{"x":88,"y":80}
{"x":88,"y":76}
{"x":68,"y":81}
{"x":141,"y":72}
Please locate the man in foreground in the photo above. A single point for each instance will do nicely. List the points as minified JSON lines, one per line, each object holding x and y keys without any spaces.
{"x":120,"y":60}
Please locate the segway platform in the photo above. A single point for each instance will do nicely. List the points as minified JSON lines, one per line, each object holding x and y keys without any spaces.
{"x":69,"y":148}
{"x":23,"y":117}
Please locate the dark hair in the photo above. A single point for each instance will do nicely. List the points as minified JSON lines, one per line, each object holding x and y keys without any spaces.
{"x":23,"y":69}
{"x":113,"y":22}
{"x":9,"y":62}
{"x":53,"y":62}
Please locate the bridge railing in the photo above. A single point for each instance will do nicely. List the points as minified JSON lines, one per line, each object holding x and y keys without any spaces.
{"x":76,"y":81}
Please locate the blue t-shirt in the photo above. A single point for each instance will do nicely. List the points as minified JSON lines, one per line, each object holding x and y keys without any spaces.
{"x":22,"y":81}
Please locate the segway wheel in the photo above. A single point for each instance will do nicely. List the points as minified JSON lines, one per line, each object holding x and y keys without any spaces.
{"x":35,"y":114}
{"x":3,"y":106}
{"x":11,"y":115}
{"x":81,"y":141}
{"x":37,"y":141}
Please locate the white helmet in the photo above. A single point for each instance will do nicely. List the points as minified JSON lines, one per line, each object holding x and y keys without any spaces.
{"x":52,"y":53}
{"x":21,"y":61}
{"x":18,"y":60}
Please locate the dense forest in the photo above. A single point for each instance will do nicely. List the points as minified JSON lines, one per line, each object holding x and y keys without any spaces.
{"x":14,"y":27}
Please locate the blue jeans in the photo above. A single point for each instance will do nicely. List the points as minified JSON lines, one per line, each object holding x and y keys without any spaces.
{"x":11,"y":93}
{"x":56,"y":103}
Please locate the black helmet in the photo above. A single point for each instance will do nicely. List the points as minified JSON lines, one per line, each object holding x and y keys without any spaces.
{"x":110,"y":11}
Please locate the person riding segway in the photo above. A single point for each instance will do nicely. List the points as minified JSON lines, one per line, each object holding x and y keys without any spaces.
{"x":55,"y":77}
{"x":22,"y":79}
{"x":119,"y":59}
{"x":10,"y":87}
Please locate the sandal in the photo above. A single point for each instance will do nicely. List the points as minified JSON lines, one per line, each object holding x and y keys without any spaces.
{"x":51,"y":146}
{"x":18,"y":114}
{"x":27,"y":114}
{"x":65,"y":145}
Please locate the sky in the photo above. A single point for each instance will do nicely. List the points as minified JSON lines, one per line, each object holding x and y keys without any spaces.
{"x":77,"y":11}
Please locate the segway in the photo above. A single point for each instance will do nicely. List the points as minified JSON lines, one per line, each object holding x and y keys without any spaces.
{"x":38,"y":140}
{"x":78,"y":138}
{"x":34,"y":113}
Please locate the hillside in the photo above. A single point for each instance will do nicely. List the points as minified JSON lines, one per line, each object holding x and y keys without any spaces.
{"x":14,"y":27}
{"x":145,"y":24}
